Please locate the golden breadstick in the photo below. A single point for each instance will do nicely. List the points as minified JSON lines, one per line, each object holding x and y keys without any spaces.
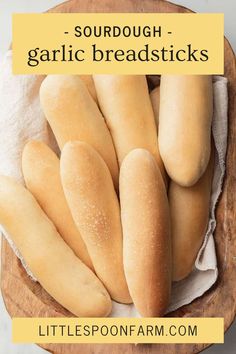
{"x":126,"y":106}
{"x":155,"y":100}
{"x":94,"y":205}
{"x":41,"y":170}
{"x":189,"y":209}
{"x":146,"y":231}
{"x":186,"y":105}
{"x":74,"y":115}
{"x":58,"y":270}
{"x":88,"y":80}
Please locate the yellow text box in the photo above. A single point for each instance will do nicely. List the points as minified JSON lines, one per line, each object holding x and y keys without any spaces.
{"x":118,"y":330}
{"x":118,"y":43}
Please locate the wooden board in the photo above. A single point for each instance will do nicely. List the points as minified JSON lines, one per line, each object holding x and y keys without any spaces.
{"x":24,"y":298}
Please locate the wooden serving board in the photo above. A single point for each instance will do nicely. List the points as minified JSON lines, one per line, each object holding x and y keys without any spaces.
{"x":24,"y":298}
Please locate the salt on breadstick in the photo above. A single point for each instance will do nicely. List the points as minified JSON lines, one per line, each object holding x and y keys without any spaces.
{"x":146,"y":233}
{"x":41,"y":170}
{"x":70,"y":282}
{"x":94,"y":205}
{"x":74,"y":115}
{"x":189,"y":209}
{"x":125,"y":103}
{"x":186,"y":106}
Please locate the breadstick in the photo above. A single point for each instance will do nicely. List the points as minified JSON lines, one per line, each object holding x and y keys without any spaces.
{"x":146,"y":232}
{"x":189,"y":209}
{"x":41,"y":170}
{"x":58,"y":270}
{"x":186,"y":105}
{"x":126,"y":106}
{"x":94,"y":205}
{"x":88,"y":80}
{"x":74,"y":115}
{"x":155,"y":100}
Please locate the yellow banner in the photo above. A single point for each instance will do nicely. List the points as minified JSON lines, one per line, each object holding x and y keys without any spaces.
{"x":118,"y":43}
{"x":118,"y":330}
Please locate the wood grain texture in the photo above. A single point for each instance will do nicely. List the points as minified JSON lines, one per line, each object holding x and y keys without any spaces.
{"x":26,"y":298}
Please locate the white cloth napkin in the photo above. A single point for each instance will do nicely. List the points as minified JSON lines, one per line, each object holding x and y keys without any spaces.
{"x":21,"y":119}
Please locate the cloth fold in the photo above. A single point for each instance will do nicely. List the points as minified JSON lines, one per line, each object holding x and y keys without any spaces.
{"x":22,"y":119}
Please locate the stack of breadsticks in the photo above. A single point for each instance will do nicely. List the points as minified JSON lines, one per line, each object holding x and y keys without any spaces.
{"x":123,"y":212}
